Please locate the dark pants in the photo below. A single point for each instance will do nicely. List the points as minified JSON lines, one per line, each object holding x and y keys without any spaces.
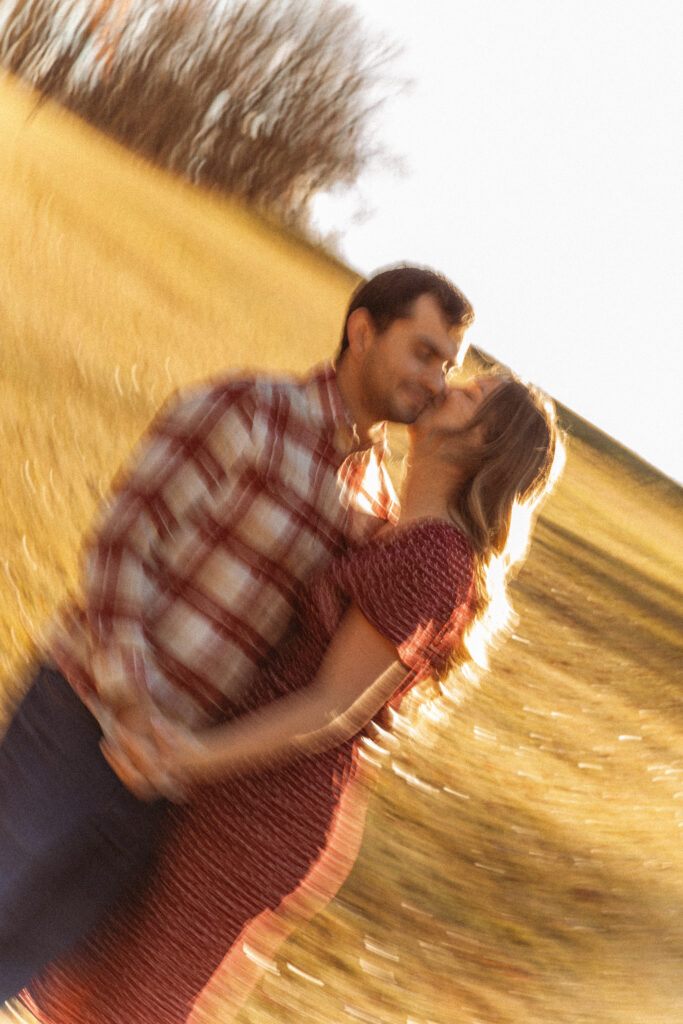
{"x":73,"y":839}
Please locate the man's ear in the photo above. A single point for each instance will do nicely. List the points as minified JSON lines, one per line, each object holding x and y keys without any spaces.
{"x":360,"y":330}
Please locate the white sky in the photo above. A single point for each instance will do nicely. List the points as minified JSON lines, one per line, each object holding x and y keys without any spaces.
{"x":544,"y":174}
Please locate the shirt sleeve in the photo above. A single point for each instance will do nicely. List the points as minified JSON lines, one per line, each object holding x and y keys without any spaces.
{"x":417,"y":591}
{"x":181,"y":460}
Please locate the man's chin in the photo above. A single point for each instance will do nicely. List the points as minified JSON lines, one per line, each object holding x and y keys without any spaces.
{"x":406,"y":410}
{"x":413,"y":412}
{"x":405,"y":416}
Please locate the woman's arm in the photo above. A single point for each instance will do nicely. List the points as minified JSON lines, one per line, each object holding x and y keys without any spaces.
{"x":359,"y":673}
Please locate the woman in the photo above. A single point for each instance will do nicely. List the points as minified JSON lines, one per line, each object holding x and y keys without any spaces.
{"x":274,"y":808}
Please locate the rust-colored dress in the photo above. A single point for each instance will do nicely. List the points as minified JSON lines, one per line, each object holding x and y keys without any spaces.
{"x":249,"y":858}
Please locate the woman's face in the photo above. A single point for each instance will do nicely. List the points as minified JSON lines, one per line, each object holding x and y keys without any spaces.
{"x":455,"y":409}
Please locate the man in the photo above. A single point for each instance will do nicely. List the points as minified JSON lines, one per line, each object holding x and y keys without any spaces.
{"x":238,"y":491}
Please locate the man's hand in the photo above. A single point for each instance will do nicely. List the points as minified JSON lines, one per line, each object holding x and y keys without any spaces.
{"x":155,"y":763}
{"x":129,"y":745}
{"x":137,"y":775}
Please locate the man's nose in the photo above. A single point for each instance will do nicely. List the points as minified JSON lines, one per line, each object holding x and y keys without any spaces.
{"x":435,"y":381}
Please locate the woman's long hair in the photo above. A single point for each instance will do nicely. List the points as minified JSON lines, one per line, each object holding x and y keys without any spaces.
{"x":511,"y":472}
{"x":515,"y":465}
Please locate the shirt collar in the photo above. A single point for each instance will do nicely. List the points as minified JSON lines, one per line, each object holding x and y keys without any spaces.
{"x":329,"y":410}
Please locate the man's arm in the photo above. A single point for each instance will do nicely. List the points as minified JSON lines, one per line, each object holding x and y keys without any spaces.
{"x":181,"y":460}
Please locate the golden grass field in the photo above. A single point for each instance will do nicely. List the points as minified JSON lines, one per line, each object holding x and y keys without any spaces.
{"x":522,"y":860}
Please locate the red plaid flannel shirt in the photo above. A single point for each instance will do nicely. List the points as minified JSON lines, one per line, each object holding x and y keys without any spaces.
{"x":234,"y":496}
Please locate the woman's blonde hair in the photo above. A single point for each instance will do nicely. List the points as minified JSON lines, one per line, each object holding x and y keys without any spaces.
{"x":515,"y":465}
{"x":510,"y":473}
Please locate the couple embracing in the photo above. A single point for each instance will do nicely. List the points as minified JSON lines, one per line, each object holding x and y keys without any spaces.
{"x":182,"y":781}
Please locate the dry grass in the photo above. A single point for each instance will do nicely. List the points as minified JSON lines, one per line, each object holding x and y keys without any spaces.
{"x":119,"y":285}
{"x":523,"y":857}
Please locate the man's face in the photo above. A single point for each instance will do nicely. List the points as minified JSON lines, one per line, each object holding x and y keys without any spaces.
{"x":406,"y":365}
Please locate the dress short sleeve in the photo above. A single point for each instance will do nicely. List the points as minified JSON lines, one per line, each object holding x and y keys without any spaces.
{"x":416,"y":589}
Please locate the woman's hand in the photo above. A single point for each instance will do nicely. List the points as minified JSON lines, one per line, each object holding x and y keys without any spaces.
{"x":162,"y":761}
{"x":358,"y":675}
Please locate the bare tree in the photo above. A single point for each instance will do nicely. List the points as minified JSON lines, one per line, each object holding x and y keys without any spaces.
{"x":268,"y":100}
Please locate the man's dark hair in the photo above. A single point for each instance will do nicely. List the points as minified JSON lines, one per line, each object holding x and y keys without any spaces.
{"x":390,"y":295}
